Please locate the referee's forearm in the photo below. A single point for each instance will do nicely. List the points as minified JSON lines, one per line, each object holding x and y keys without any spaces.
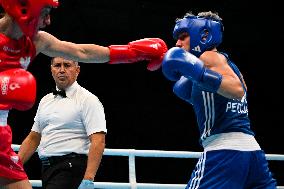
{"x":94,"y":159}
{"x":29,"y":146}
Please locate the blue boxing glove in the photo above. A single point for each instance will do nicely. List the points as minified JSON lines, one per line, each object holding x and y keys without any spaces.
{"x":183,"y":89}
{"x":87,"y":184}
{"x":178,"y":62}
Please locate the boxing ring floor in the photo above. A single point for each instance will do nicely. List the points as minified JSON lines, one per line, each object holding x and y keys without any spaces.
{"x":132,"y":153}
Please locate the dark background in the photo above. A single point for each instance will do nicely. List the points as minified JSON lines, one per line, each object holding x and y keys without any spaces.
{"x":141,"y":110}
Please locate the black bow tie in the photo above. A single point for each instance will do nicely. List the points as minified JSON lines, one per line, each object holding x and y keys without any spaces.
{"x":62,"y":93}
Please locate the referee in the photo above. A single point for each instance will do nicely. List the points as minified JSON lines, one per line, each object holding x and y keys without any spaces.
{"x":69,"y":131}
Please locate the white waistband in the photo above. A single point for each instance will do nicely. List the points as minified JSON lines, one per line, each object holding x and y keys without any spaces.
{"x":3,"y":117}
{"x":232,"y":141}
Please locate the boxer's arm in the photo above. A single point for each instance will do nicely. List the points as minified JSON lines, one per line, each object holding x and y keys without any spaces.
{"x":179,"y":62}
{"x":51,"y":46}
{"x":231,"y":86}
{"x":242,"y":77}
{"x":29,"y":146}
{"x":149,"y":49}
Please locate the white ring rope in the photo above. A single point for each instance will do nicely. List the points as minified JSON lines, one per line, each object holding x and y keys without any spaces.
{"x":132,"y":153}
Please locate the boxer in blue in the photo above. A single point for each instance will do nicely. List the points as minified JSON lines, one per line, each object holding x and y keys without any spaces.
{"x":212,"y":83}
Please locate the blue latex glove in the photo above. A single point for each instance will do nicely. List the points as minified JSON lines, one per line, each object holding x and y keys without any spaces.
{"x":87,"y":184}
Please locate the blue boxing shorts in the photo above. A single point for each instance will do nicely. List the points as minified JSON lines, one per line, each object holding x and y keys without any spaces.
{"x":232,"y":169}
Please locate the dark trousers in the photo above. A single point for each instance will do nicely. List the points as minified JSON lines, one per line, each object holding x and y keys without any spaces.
{"x":63,"y":172}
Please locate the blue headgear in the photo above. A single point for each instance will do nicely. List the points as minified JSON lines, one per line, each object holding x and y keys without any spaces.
{"x":197,"y":27}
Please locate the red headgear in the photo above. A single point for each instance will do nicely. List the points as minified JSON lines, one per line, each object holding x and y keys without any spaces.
{"x":27,"y":12}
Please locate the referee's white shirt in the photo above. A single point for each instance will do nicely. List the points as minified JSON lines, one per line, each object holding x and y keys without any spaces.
{"x":66,"y":123}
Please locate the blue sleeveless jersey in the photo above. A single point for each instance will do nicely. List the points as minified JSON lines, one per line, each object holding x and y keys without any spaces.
{"x":217,"y":114}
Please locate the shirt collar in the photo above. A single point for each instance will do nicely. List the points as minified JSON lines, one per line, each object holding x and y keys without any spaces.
{"x":71,"y":89}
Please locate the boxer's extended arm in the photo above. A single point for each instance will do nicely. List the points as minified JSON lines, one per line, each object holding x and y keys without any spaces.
{"x":51,"y":46}
{"x":151,"y":49}
{"x":29,"y":146}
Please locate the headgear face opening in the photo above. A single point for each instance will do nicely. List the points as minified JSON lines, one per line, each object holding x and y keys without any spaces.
{"x":27,"y":12}
{"x":205,"y":33}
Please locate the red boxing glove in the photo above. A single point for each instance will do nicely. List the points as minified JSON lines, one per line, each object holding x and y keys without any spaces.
{"x":18,"y":89}
{"x":151,"y":49}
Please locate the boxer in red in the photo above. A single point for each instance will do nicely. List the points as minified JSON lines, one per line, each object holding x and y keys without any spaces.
{"x":20,"y":41}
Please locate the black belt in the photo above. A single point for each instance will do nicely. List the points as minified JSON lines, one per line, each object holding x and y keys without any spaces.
{"x":48,"y":161}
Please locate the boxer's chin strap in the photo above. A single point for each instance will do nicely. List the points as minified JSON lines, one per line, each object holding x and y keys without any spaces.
{"x":3,"y":117}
